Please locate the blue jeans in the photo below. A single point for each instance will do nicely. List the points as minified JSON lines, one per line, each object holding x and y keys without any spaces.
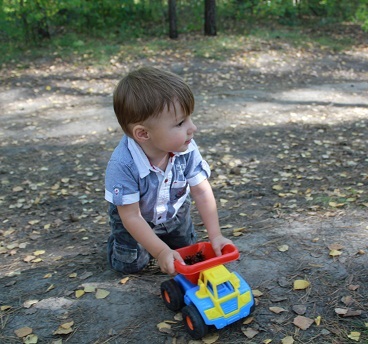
{"x":125,"y":254}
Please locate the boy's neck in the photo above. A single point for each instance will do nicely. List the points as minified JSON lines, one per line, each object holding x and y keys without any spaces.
{"x":160,"y":162}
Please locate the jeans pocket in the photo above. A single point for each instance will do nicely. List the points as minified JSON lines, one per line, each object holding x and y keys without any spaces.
{"x":124,"y":254}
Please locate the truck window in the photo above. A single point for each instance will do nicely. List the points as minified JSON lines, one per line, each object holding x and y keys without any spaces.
{"x":224,"y":289}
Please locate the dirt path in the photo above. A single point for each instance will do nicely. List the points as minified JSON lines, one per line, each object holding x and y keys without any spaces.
{"x":285,"y":132}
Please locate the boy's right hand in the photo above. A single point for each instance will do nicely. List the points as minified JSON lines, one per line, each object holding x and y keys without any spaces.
{"x":166,"y":260}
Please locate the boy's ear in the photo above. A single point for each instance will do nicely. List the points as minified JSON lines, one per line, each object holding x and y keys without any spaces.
{"x":140,"y":133}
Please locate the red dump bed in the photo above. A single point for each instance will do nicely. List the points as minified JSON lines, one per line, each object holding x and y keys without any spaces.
{"x":191,"y":272}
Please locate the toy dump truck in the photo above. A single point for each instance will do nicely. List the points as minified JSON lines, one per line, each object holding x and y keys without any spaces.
{"x":205,"y":291}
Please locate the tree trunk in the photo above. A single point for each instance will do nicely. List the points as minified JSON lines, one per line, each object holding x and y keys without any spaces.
{"x":210,"y":17}
{"x":173,"y":29}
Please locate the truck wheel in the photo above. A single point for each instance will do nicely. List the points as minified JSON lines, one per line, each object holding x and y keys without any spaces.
{"x":193,"y":322}
{"x":172,"y":295}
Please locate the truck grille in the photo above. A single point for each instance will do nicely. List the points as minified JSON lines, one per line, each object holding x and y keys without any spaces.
{"x":230,"y":306}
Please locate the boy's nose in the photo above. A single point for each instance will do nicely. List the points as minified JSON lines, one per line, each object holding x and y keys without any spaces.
{"x":193,"y":127}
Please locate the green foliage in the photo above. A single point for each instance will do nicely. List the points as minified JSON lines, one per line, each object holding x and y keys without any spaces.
{"x":33,"y":22}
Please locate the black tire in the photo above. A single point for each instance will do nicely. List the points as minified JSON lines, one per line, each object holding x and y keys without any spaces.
{"x":193,"y":322}
{"x":172,"y":295}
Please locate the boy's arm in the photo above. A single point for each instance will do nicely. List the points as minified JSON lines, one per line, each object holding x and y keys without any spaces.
{"x":206,"y":204}
{"x":139,"y":229}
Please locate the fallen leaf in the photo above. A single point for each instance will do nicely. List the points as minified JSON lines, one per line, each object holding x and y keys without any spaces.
{"x":301,"y":284}
{"x":50,"y":288}
{"x":22,"y":332}
{"x":62,"y":330}
{"x":210,"y":338}
{"x":277,"y":310}
{"x":31,"y":339}
{"x":29,"y":303}
{"x":248,"y":320}
{"x":335,"y":246}
{"x":303,"y":322}
{"x":354,"y":336}
{"x":256,"y":293}
{"x":67,"y":325}
{"x":5,"y":308}
{"x":250,"y":332}
{"x":124,"y":280}
{"x":287,"y":340}
{"x":164,"y":327}
{"x":341,"y":311}
{"x":335,"y":253}
{"x":101,"y":293}
{"x":267,"y":341}
{"x":79,"y":293}
{"x":89,"y":288}
{"x":73,"y":275}
{"x":299,"y":309}
{"x":318,"y":320}
{"x":283,"y":248}
{"x":347,"y":300}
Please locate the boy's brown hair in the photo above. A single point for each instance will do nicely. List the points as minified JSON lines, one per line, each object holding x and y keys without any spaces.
{"x":146,"y":92}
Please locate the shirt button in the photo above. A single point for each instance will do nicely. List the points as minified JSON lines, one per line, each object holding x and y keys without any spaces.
{"x":166,"y":180}
{"x":159,"y":217}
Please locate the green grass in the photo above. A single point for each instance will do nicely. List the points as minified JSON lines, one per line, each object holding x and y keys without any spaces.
{"x":100,"y":50}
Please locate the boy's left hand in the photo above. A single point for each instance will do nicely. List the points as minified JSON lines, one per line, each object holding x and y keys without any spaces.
{"x":218,"y":243}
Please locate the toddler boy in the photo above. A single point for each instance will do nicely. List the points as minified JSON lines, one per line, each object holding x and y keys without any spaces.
{"x":152,"y":171}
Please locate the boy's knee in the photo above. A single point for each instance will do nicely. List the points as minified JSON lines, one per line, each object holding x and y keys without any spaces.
{"x":126,"y":259}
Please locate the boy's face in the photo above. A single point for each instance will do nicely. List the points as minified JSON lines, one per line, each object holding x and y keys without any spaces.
{"x":171,"y":131}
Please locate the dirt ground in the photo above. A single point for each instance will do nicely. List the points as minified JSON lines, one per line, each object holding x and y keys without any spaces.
{"x":285,"y":132}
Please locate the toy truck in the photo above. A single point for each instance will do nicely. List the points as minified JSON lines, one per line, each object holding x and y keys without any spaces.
{"x":205,"y":291}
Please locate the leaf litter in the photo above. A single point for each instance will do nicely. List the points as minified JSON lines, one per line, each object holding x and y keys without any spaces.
{"x":277,"y":156}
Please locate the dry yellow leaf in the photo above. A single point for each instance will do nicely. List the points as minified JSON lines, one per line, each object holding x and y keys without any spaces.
{"x":67,"y":325}
{"x":73,"y":275}
{"x":248,"y":320}
{"x":256,"y":293}
{"x":31,"y":339}
{"x":47,"y":275}
{"x":283,"y":248}
{"x":301,"y":284}
{"x":241,"y":229}
{"x":38,"y":252}
{"x":210,"y":338}
{"x":5,"y":307}
{"x":29,"y":303}
{"x":354,"y":336}
{"x":287,"y":340}
{"x":62,"y":330}
{"x":335,"y":253}
{"x":89,"y":289}
{"x":101,"y":293}
{"x":237,"y":234}
{"x":37,"y":260}
{"x":124,"y":280}
{"x":318,"y":320}
{"x":164,"y":327}
{"x":34,"y":222}
{"x":50,"y":288}
{"x":79,"y":293}
{"x":267,"y":341}
{"x":22,"y":332}
{"x":277,"y":187}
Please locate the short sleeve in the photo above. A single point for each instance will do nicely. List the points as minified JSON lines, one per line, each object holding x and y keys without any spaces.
{"x":197,"y":168}
{"x":121,"y":183}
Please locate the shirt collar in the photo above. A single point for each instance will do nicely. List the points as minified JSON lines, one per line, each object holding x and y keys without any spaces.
{"x":140,"y":158}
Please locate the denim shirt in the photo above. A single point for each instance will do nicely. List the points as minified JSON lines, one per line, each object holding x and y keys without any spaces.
{"x":131,"y":178}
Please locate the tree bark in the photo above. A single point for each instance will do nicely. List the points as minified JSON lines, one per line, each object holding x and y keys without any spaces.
{"x":210,"y":17}
{"x":173,"y":21}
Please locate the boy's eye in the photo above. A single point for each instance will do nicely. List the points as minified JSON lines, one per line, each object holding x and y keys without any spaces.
{"x":180,"y":123}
